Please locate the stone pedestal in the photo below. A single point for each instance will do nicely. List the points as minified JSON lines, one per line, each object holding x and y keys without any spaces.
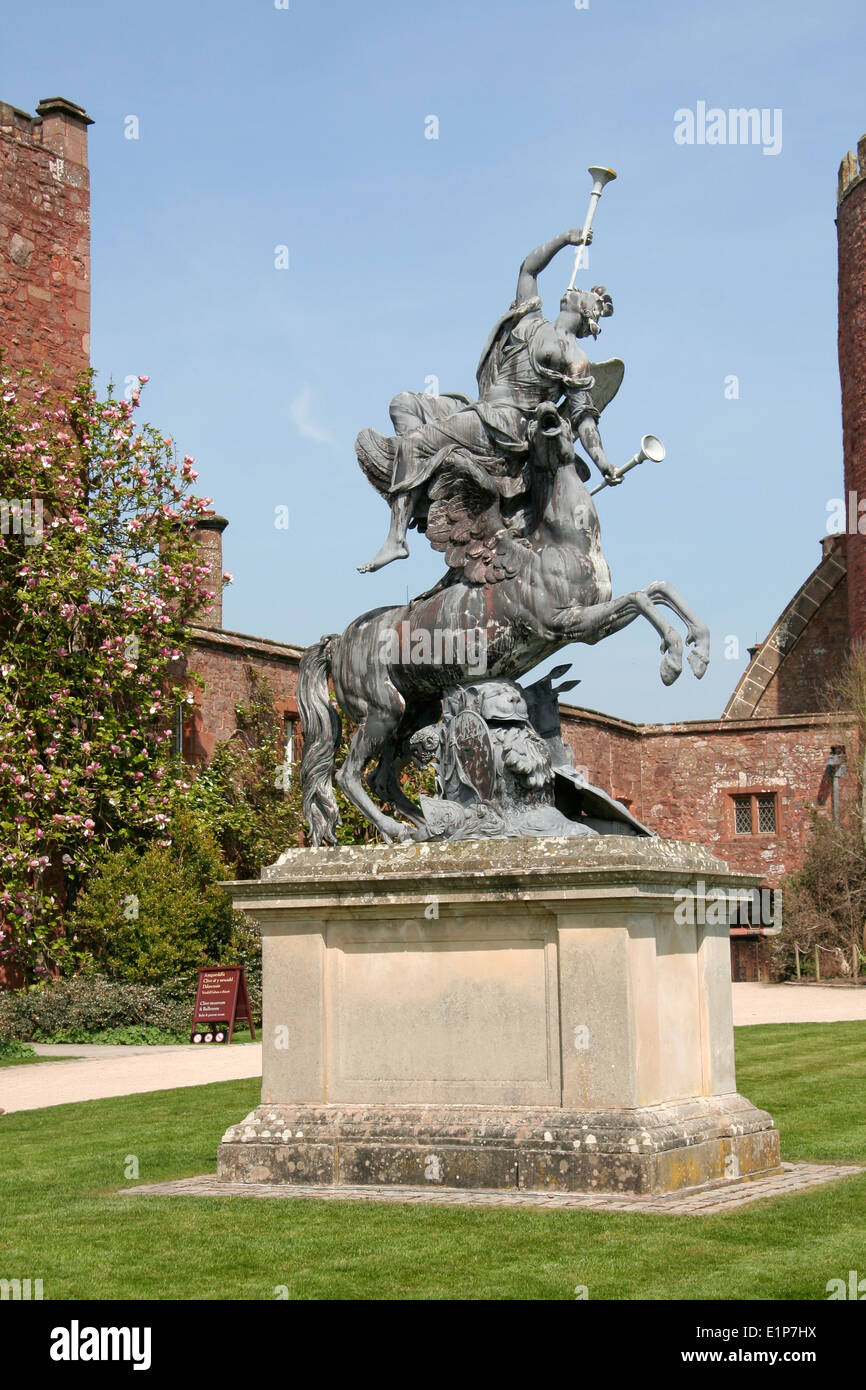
{"x":501,"y":1014}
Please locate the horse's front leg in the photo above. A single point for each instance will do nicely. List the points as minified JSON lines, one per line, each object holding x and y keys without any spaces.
{"x":600,"y":620}
{"x":697,"y":632}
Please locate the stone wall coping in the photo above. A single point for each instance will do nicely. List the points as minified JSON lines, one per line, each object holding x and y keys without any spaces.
{"x":690,"y":727}
{"x":222,"y":639}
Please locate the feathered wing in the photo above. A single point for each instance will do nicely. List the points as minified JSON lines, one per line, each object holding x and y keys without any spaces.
{"x":608,"y":379}
{"x":465,"y":522}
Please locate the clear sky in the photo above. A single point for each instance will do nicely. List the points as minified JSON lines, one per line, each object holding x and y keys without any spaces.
{"x":305,"y":127}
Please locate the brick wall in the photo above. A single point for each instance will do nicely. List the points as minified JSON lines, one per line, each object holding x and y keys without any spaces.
{"x":679,"y":779}
{"x":801,"y":683}
{"x":851,"y":230}
{"x":220,"y":660}
{"x":792,"y":670}
{"x":45,"y":238}
{"x":609,"y":750}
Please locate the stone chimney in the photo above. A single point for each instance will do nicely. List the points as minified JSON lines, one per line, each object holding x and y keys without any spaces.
{"x":851,"y":232}
{"x":209,"y":531}
{"x":64,"y":129}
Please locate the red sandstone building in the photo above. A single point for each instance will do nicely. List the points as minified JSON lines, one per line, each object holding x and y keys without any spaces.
{"x":746,"y":783}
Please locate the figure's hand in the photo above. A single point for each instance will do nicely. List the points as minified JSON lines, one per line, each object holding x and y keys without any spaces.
{"x":574,"y":237}
{"x":612,"y":475}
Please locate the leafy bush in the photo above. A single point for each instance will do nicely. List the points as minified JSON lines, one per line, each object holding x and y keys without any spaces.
{"x":93,"y":1005}
{"x":90,"y":1008}
{"x":11,"y":1048}
{"x":158,"y":913}
{"x":135,"y":1035}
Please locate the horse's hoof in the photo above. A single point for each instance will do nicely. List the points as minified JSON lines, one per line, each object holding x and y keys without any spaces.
{"x":698,"y":663}
{"x":670,"y":668}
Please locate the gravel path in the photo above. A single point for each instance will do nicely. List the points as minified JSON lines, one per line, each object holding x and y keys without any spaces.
{"x":94,"y":1072}
{"x":797,"y":1003}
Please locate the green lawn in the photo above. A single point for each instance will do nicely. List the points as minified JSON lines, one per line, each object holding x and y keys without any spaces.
{"x":62,"y":1221}
{"x":29,"y":1061}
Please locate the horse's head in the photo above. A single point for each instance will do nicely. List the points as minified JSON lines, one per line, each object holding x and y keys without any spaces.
{"x":551,"y":441}
{"x":550,"y":438}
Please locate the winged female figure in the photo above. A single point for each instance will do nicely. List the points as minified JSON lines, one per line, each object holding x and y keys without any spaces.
{"x":526,"y":360}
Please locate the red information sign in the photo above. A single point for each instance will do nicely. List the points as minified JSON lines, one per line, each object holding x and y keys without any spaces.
{"x":221,"y":1001}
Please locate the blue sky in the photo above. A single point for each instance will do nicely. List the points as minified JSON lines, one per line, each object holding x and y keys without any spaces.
{"x":304,"y":127}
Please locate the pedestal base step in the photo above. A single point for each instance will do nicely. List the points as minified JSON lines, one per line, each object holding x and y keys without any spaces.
{"x":714,"y":1199}
{"x":651,"y":1150}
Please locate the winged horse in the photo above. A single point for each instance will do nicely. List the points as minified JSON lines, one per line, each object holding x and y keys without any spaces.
{"x":521,"y":598}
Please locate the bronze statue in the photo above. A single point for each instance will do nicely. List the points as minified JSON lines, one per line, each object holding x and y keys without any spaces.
{"x":525,"y":361}
{"x":496,"y":486}
{"x":501,"y":771}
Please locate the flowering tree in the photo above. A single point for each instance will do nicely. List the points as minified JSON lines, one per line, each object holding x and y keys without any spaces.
{"x":100,"y":576}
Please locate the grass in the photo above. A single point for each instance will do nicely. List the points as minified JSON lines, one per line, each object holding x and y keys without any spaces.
{"x":29,"y":1061}
{"x":63,"y":1221}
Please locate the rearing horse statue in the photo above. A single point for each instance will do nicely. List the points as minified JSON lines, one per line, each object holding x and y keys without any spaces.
{"x":515,"y":593}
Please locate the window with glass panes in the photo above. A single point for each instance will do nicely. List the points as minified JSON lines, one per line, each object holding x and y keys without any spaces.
{"x":292,"y":740}
{"x":754,"y":813}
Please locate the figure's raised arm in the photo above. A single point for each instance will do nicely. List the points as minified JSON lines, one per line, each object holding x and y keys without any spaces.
{"x":540,"y":258}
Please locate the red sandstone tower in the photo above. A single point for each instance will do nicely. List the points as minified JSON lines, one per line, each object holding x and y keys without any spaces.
{"x":851,"y":228}
{"x":45,"y":239}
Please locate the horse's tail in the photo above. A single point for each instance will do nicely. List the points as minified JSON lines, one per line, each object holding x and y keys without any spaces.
{"x":321,"y":728}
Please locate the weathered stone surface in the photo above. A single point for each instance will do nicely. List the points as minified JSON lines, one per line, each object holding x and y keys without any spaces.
{"x":507,"y":866}
{"x":498,"y":1014}
{"x":650,"y":1149}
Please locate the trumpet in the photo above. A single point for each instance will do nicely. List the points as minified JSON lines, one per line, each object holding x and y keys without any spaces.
{"x":600,"y":177}
{"x":650,"y":448}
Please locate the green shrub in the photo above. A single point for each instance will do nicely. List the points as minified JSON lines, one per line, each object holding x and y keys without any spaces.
{"x":135,"y":1035}
{"x":147,"y":916}
{"x":11,"y":1048}
{"x":90,"y":1004}
{"x":90,"y":1008}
